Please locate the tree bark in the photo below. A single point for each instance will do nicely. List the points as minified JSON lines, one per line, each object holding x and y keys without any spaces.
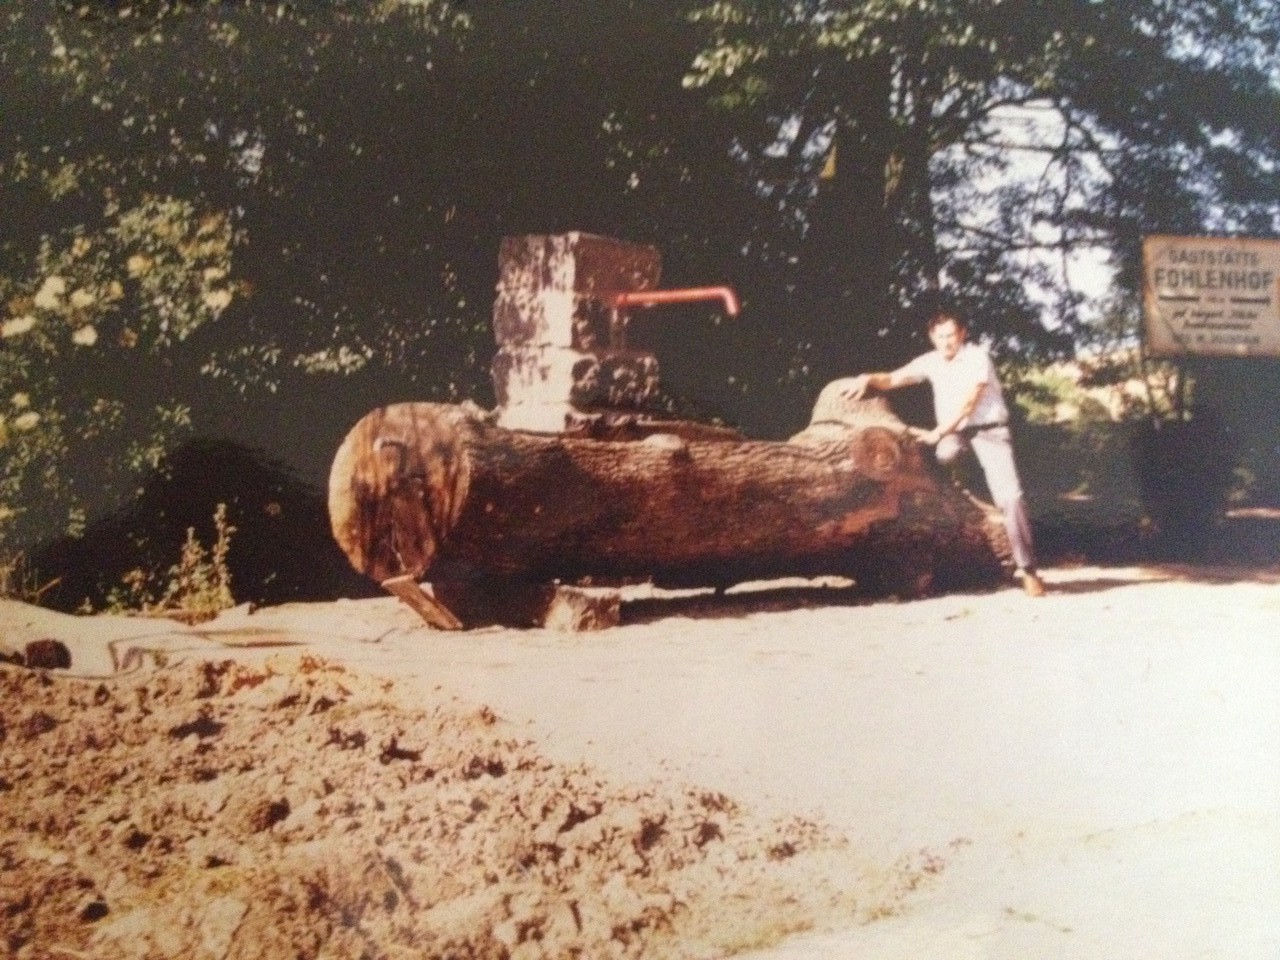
{"x":439,"y":492}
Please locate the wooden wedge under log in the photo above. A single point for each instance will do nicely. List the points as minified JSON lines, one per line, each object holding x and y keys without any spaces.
{"x":424,"y":604}
{"x":492,"y":516}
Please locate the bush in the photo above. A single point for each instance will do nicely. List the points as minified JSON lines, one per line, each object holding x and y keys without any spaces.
{"x":20,"y":581}
{"x":1186,"y":469}
{"x":195,"y":589}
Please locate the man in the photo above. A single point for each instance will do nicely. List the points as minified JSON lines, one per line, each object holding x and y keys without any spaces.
{"x":971,"y":414}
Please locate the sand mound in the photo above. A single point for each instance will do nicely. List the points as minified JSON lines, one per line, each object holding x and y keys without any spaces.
{"x":298,"y":809}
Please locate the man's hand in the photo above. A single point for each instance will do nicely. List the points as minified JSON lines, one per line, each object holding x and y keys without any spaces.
{"x":927,"y":437}
{"x":855,"y":389}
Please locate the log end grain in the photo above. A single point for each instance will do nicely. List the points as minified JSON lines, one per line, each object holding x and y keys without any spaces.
{"x":396,"y":484}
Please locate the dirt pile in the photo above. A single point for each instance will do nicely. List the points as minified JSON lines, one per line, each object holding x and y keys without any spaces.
{"x":298,"y":809}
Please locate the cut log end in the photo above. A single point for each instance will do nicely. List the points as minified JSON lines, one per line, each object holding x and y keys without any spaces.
{"x":395,"y":487}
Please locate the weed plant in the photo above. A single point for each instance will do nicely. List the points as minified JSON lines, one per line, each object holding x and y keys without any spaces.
{"x":193,"y":590}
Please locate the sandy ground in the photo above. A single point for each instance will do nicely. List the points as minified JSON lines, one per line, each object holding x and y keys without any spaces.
{"x":1092,"y":775}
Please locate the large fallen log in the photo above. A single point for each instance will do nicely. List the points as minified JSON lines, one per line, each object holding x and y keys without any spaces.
{"x":439,"y":492}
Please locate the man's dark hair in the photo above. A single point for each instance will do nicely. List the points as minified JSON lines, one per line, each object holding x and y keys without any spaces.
{"x":943,"y":317}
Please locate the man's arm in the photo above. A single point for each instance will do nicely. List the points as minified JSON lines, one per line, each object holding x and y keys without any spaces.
{"x":858,"y":386}
{"x":931,"y":437}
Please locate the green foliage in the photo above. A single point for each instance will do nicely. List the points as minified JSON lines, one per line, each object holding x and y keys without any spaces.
{"x":167,"y":98}
{"x":1116,"y":387}
{"x":258,"y":220}
{"x":96,"y":308}
{"x":194,"y":589}
{"x":1007,"y":138}
{"x":152,"y":14}
{"x":133,"y":169}
{"x":20,"y":581}
{"x":1075,"y":432}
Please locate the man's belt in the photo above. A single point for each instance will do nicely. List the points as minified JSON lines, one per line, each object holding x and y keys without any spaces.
{"x":975,"y":428}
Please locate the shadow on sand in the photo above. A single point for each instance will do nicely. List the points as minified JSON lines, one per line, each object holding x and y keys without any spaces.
{"x":778,"y":597}
{"x":736,"y":602}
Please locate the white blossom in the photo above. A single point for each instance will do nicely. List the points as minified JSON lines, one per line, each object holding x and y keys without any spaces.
{"x":217,"y":300}
{"x":17,"y":325}
{"x":51,"y":292}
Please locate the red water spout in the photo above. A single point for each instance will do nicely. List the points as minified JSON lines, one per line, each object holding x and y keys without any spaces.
{"x":650,"y":298}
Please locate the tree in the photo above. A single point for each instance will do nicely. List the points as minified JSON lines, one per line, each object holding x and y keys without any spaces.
{"x":140,"y":161}
{"x":317,"y":191}
{"x":1004,"y":138}
{"x":82,"y":426}
{"x":363,"y":162}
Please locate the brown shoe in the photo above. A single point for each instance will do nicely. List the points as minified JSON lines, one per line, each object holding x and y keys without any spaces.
{"x":1032,"y":585}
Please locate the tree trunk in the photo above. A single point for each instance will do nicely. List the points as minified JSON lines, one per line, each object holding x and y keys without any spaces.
{"x":438,"y":492}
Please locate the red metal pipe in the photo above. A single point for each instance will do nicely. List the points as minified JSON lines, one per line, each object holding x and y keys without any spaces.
{"x":650,"y":298}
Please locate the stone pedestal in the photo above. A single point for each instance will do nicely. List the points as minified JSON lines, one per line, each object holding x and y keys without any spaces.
{"x":559,"y":340}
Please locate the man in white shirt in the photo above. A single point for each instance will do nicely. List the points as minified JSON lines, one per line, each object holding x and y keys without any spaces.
{"x":971,"y":414}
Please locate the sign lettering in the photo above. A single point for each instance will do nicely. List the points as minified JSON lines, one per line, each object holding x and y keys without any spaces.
{"x":1211,"y":296}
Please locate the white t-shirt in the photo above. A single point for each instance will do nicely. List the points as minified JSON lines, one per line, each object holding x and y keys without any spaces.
{"x":953,"y":382}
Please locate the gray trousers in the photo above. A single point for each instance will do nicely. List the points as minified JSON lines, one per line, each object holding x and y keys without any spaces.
{"x":994,"y":449}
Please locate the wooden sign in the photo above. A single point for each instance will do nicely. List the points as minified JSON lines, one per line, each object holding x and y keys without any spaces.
{"x":1211,"y":296}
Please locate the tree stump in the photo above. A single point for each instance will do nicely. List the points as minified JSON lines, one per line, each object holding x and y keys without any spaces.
{"x":440,"y":492}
